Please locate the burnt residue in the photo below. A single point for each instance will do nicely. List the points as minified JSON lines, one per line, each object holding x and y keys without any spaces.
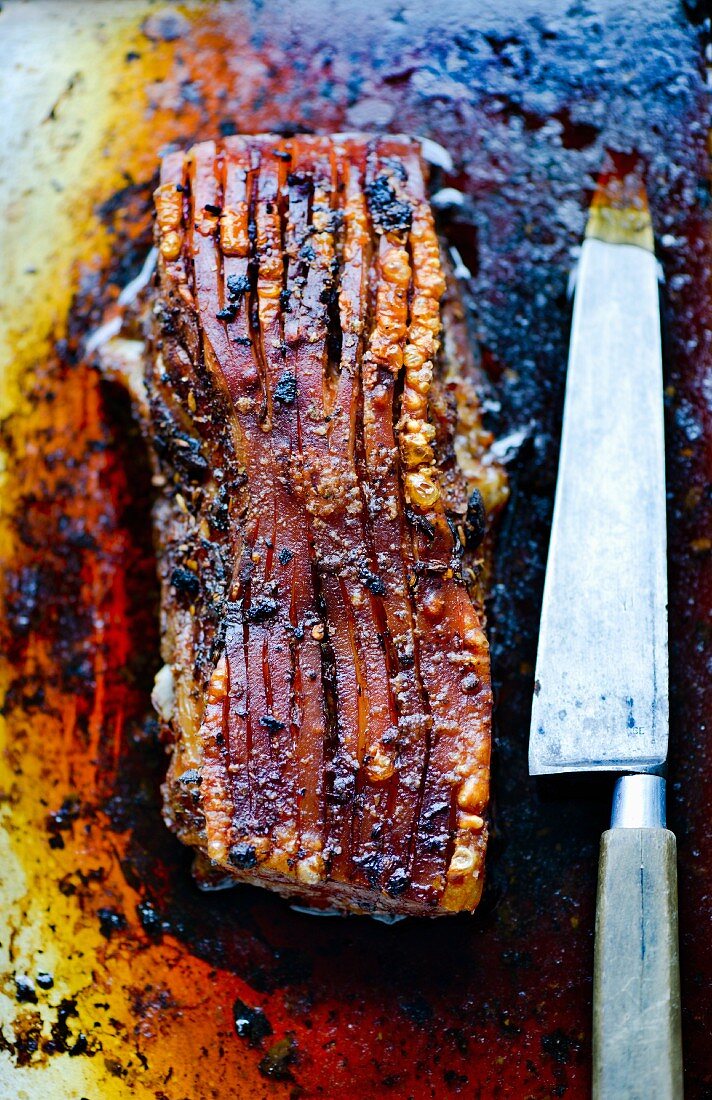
{"x":243,"y":856}
{"x":185,"y":582}
{"x":25,"y":992}
{"x":475,"y":524}
{"x":150,"y":919}
{"x":525,"y":101}
{"x":373,"y":582}
{"x":250,"y":1023}
{"x":261,"y":611}
{"x":388,"y":213}
{"x":111,"y":920}
{"x":65,"y":1036}
{"x":286,"y":389}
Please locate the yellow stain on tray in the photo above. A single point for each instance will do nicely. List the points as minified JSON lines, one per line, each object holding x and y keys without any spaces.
{"x":80,"y":128}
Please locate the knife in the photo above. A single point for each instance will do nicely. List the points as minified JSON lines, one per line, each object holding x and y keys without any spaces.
{"x":601,"y":686}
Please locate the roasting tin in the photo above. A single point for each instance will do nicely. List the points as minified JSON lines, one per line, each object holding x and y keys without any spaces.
{"x":119,"y":978}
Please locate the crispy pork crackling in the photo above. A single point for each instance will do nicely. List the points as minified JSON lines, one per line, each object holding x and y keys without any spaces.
{"x":325,"y":487}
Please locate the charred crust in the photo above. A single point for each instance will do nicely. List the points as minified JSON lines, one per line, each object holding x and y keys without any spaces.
{"x":475,"y":521}
{"x":185,"y":582}
{"x":398,"y":883}
{"x":237,"y":285}
{"x":389,"y":213}
{"x":261,"y":611}
{"x":271,"y":723}
{"x":243,"y":856}
{"x":286,"y":389}
{"x":374,"y":583}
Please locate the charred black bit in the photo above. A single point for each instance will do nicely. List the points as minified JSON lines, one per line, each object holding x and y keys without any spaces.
{"x":212,"y":209}
{"x":286,"y":389}
{"x":185,"y":582}
{"x":285,"y":556}
{"x":243,"y":341}
{"x":271,"y":723}
{"x":237,"y":285}
{"x":285,"y":297}
{"x":341,"y":787}
{"x":190,"y":460}
{"x":278,"y":1059}
{"x":243,"y":856}
{"x":191,"y":776}
{"x":150,"y":919}
{"x":420,"y":523}
{"x":183,"y":451}
{"x":388,"y":213}
{"x":227,"y":313}
{"x":300,"y":182}
{"x":25,"y":991}
{"x":373,"y":582}
{"x":371,"y":864}
{"x":261,"y":611}
{"x":335,"y":221}
{"x":44,"y":980}
{"x":110,"y":920}
{"x":61,"y":821}
{"x":81,"y":1046}
{"x":281,"y":154}
{"x":61,"y":1042}
{"x":250,"y":1023}
{"x":219,"y":515}
{"x":475,"y":521}
{"x":398,"y":883}
{"x":65,"y":885}
{"x":64,"y":817}
{"x":307,"y":253}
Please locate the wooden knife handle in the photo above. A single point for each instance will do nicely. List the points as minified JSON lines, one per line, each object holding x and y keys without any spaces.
{"x":637,"y":1045}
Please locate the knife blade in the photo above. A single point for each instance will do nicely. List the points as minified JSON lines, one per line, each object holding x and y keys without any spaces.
{"x":601,"y":683}
{"x":600,"y":695}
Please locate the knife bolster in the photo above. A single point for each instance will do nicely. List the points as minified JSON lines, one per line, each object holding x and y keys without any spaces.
{"x":639,"y":802}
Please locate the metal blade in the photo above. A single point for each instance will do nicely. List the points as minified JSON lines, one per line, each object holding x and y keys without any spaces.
{"x":601,"y":689}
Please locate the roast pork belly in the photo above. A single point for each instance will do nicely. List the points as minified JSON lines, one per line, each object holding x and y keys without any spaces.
{"x":325,"y":486}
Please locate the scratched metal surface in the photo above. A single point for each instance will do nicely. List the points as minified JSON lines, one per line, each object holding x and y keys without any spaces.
{"x":118,"y":978}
